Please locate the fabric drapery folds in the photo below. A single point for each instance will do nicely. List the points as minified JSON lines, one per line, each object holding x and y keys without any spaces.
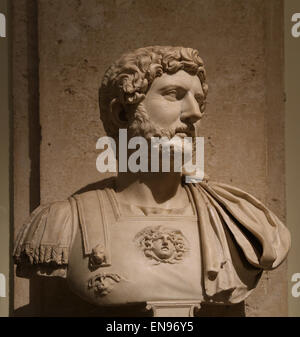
{"x":239,"y":238}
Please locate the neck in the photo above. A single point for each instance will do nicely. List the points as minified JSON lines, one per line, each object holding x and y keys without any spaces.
{"x":150,"y":189}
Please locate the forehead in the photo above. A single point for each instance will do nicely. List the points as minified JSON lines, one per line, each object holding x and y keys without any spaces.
{"x":181,"y":79}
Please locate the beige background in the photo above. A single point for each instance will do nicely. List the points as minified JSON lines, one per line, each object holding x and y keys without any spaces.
{"x":242,"y":46}
{"x":292,"y":134}
{"x":5,"y":162}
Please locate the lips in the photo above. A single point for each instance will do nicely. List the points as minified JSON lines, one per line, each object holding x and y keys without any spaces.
{"x":165,"y":249}
{"x":184,"y":132}
{"x":181,"y":134}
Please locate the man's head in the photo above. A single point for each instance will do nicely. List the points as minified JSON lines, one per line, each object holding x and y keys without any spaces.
{"x":125,"y":97}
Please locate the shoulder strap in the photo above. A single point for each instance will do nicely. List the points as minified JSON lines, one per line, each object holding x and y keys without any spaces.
{"x":96,"y":212}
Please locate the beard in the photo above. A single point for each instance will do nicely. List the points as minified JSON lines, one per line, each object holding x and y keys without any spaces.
{"x":140,"y":125}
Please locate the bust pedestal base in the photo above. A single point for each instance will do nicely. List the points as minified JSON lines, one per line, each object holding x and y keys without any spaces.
{"x":173,"y":308}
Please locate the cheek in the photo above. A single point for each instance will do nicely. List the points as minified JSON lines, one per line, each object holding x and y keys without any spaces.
{"x":163,"y":112}
{"x":156,"y":246}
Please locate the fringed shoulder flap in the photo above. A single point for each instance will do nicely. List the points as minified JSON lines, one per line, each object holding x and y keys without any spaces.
{"x":46,"y":237}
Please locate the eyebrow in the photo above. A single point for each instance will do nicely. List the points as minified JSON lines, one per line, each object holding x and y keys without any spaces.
{"x":176,"y":86}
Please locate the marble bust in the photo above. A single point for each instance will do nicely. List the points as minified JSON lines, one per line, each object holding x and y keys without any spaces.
{"x":150,"y":237}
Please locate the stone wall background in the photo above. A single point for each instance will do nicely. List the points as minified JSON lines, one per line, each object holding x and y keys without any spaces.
{"x":61,"y":50}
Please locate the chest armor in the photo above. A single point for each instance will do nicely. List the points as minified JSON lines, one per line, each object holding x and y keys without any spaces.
{"x":214,"y":253}
{"x":119,"y":259}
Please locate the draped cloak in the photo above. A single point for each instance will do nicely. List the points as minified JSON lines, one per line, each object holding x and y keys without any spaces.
{"x":239,"y":238}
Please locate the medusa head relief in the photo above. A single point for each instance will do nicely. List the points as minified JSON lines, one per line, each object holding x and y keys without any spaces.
{"x":162,"y":245}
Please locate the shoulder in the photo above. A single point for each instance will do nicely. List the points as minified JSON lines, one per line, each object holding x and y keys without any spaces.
{"x":261,"y":235}
{"x":44,"y":240}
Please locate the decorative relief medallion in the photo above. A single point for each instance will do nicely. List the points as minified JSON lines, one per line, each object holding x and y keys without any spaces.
{"x":161,"y":244}
{"x":103,"y":283}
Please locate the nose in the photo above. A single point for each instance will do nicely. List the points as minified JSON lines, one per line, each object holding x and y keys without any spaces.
{"x":190,"y":109}
{"x":165,"y":240}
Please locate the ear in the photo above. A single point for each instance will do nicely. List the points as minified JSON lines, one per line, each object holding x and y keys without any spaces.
{"x":118,"y":113}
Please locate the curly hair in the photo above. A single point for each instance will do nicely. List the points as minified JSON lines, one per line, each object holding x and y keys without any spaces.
{"x":130,"y":77}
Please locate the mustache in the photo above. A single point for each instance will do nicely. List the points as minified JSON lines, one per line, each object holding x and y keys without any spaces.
{"x":189,"y":130}
{"x":171,"y":132}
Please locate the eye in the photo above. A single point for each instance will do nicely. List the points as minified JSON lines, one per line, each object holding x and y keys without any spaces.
{"x":174,"y":94}
{"x":171,"y":94}
{"x":202,"y":106}
{"x":199,"y":98}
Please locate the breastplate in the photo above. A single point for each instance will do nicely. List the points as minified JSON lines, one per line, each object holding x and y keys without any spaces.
{"x":151,"y":258}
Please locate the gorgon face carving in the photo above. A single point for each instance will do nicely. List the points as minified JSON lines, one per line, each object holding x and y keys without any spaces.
{"x":161,"y":244}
